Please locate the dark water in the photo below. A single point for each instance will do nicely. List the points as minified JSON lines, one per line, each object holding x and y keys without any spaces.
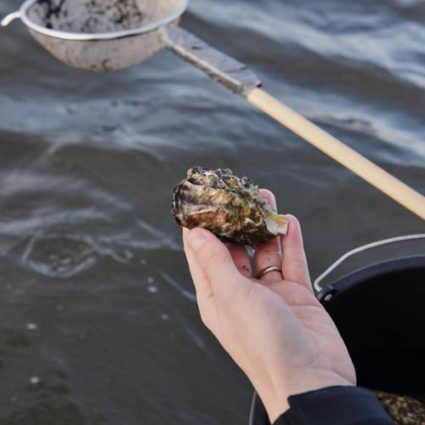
{"x":98,"y":323}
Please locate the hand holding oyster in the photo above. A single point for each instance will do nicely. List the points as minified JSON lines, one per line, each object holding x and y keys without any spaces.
{"x":230,"y":207}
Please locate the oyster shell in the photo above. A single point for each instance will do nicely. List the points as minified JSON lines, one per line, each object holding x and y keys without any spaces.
{"x":230,"y":207}
{"x":405,"y":410}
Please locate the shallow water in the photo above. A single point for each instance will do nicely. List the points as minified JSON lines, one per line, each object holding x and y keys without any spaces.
{"x":98,"y":320}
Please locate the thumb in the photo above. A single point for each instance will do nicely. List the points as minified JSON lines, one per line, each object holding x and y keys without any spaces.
{"x":215,"y":261}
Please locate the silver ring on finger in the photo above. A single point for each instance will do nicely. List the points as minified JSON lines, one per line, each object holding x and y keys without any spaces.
{"x":266,"y":270}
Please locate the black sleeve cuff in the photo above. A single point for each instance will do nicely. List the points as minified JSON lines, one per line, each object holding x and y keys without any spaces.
{"x":335,"y":406}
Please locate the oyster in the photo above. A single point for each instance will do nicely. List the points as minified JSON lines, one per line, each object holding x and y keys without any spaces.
{"x":405,"y":410}
{"x":230,"y":207}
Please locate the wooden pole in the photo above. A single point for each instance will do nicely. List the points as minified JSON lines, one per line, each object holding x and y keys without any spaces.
{"x":331,"y":146}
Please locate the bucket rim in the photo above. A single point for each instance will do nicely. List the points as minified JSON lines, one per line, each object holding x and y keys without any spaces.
{"x":367,"y":273}
{"x":318,"y":282}
{"x":73,"y":36}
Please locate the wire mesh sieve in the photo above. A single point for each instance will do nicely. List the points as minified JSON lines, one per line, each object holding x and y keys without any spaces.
{"x":99,"y":35}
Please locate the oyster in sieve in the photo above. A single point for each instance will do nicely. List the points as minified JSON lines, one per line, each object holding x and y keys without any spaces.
{"x":230,"y":207}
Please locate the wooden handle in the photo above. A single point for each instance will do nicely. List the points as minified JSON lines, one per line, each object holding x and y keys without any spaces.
{"x":331,"y":146}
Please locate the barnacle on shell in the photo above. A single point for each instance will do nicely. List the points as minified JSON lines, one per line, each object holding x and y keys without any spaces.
{"x":230,"y":207}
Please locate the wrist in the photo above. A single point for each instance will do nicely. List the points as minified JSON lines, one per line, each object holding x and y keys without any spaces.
{"x":275,"y":397}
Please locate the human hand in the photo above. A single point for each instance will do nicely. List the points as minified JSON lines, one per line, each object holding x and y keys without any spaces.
{"x":274,"y":328}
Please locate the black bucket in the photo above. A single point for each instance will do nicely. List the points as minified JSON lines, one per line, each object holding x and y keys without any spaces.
{"x":380,"y":312}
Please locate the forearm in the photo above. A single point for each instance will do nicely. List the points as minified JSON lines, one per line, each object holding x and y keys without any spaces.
{"x":339,"y":405}
{"x":276,"y":394}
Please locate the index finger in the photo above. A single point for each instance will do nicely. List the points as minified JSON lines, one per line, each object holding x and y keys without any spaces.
{"x":294,"y":263}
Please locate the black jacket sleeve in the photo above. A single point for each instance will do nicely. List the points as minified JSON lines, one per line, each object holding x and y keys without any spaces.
{"x":335,"y":406}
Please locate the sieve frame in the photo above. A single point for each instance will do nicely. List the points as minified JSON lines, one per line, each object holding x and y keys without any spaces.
{"x":22,"y":14}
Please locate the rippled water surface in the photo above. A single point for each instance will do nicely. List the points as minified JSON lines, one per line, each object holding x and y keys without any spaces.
{"x":98,"y":319}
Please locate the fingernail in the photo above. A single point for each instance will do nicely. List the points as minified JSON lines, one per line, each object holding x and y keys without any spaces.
{"x":196,"y":239}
